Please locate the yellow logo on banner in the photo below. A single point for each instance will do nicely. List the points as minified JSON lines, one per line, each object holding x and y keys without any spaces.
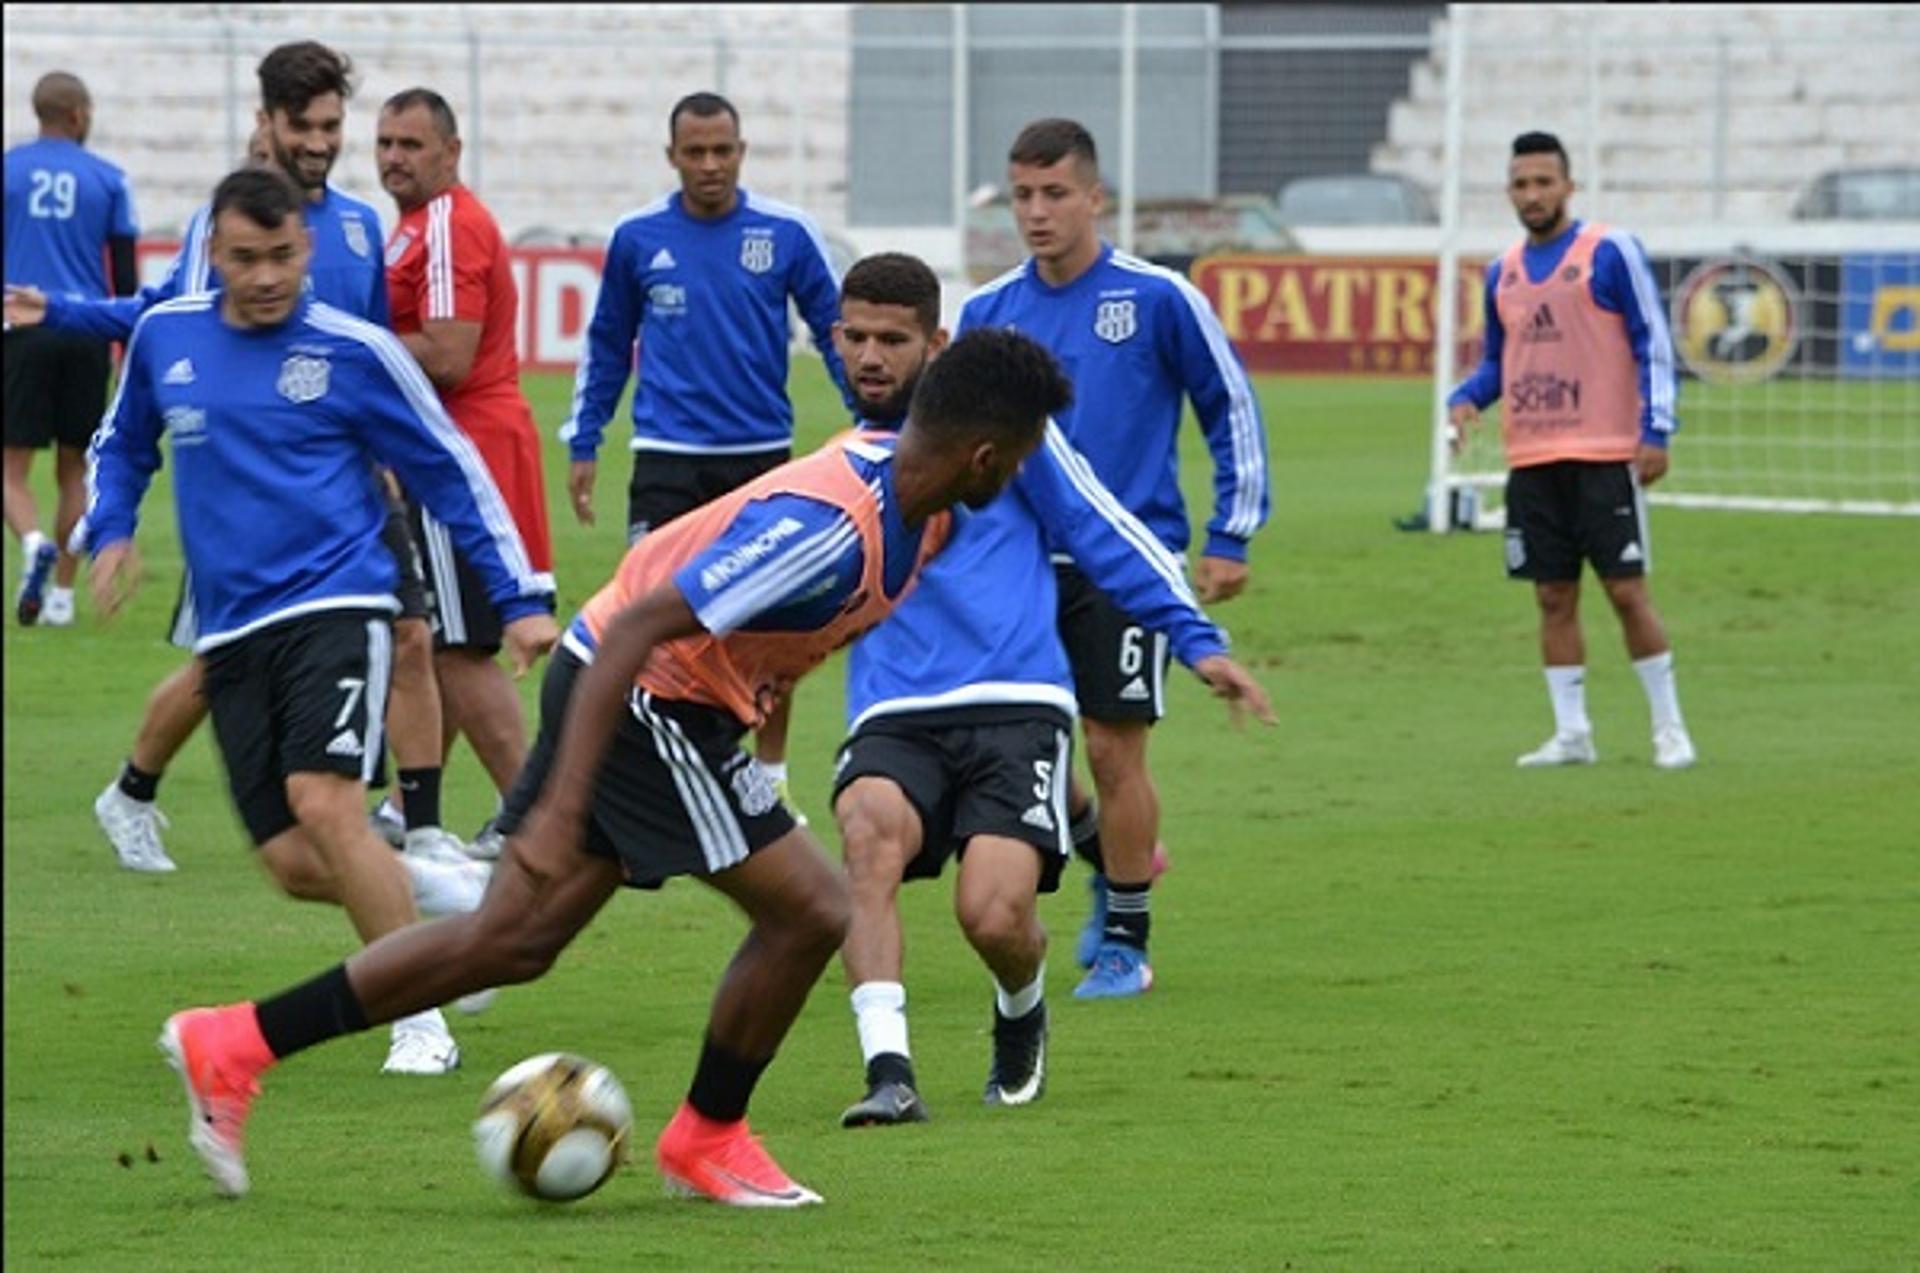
{"x":1889,"y":304}
{"x":1736,"y":321}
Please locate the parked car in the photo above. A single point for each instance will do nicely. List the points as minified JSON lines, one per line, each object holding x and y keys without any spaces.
{"x":1365,"y":198}
{"x":1861,"y":194}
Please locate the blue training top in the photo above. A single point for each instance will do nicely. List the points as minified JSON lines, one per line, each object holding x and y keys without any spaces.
{"x":273,"y":431}
{"x":979,"y":629}
{"x":707,"y":300}
{"x":347,"y":271}
{"x":1135,"y":339}
{"x":63,"y":203}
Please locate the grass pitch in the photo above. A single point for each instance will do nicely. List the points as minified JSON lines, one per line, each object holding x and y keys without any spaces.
{"x":1416,"y":1009}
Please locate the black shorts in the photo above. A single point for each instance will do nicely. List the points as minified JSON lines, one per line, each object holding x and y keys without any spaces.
{"x":676,"y":795}
{"x":1119,"y":668}
{"x":411,"y":590}
{"x":455,"y":601}
{"x":973,"y":772}
{"x":666,"y":484}
{"x":56,"y":388}
{"x":1561,"y":514}
{"x":305,"y":696}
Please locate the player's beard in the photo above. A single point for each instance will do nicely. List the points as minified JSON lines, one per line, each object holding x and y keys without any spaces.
{"x":289,"y":164}
{"x":893,"y":409}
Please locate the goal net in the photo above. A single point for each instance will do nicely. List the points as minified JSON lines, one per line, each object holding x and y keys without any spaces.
{"x":1752,"y":150}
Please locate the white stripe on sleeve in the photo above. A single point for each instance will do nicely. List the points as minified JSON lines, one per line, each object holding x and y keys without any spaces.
{"x":1646,"y":294}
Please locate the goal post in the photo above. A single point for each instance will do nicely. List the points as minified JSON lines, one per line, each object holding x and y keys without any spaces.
{"x":1767,"y":189}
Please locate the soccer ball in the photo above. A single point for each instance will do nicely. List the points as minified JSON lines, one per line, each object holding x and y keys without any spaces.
{"x":554,"y":1126}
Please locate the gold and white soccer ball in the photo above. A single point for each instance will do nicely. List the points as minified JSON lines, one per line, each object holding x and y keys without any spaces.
{"x":554,"y":1127}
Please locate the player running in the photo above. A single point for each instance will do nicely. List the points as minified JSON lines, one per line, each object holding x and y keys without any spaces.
{"x":640,"y":776}
{"x":304,"y":88}
{"x":276,"y":406}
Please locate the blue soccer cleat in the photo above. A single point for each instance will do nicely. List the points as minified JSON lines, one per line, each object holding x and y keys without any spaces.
{"x":1119,"y":972}
{"x":1094,"y":931}
{"x":33,"y":588}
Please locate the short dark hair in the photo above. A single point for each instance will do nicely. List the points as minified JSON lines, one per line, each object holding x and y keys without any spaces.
{"x":58,"y":94}
{"x":1542,"y":144}
{"x":263,"y":195}
{"x":895,"y":278}
{"x":993,"y":380}
{"x":1045,"y":142}
{"x":294,"y":74}
{"x":705,"y":105}
{"x":408,"y":98}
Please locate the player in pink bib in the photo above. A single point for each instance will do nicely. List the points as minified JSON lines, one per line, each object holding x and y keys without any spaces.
{"x":638,"y":774}
{"x":1579,"y":356}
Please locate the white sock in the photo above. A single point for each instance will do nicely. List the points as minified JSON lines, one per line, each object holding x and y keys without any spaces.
{"x":1656,"y":676}
{"x":1567,"y":687}
{"x":57,"y":595}
{"x":880,"y":1013}
{"x":1019,"y":1003}
{"x":777,"y":772}
{"x":30,"y":544}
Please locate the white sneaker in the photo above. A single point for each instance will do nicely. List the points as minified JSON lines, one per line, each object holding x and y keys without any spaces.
{"x":443,"y":886}
{"x":1672,"y":749}
{"x":436,"y":844}
{"x":1561,"y":749}
{"x":58,"y":611}
{"x":132,"y":827}
{"x":422,"y":1045}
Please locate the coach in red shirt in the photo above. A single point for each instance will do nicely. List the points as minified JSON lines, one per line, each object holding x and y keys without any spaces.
{"x":454,"y":307}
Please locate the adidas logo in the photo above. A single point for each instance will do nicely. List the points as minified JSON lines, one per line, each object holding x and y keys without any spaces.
{"x":1543,"y":319}
{"x":1134,"y":691}
{"x":345,"y":743}
{"x":662,"y":260}
{"x":1039,"y":816}
{"x":181,"y":373}
{"x":1632,"y":552}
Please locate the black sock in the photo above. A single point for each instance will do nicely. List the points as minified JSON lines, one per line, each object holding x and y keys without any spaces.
{"x":420,"y":797}
{"x":723,"y":1083}
{"x":312,"y":1012}
{"x":137,"y":784}
{"x":1128,"y":918}
{"x":1085,"y":832}
{"x":889,"y":1067}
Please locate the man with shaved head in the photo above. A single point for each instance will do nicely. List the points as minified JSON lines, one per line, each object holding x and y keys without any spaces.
{"x":69,"y":213}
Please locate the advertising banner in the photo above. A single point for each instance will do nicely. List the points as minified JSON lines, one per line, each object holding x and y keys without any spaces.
{"x":1880,"y":315}
{"x":1345,"y":315}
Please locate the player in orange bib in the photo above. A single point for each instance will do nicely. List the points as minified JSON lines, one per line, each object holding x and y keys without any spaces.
{"x":455,"y":308}
{"x":1579,"y":356}
{"x":638,"y":774}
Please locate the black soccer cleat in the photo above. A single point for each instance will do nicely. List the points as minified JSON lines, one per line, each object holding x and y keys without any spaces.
{"x":887,"y":1104}
{"x":1019,"y":1073}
